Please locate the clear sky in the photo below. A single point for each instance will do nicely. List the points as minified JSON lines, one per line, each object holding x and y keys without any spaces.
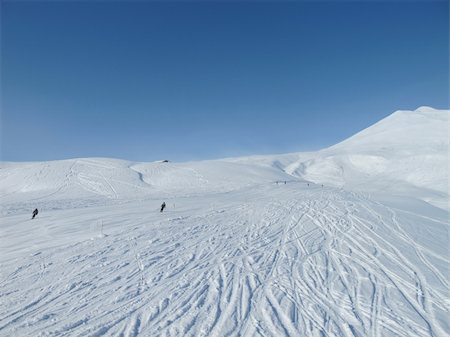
{"x":197,"y":80}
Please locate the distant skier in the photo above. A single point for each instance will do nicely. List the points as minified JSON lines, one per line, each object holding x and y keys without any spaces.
{"x":163,"y":206}
{"x":35,"y":212}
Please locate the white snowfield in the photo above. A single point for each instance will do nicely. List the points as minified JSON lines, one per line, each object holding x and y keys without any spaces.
{"x":352,"y":240}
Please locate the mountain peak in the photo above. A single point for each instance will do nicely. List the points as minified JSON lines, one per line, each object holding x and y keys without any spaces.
{"x":425,"y":108}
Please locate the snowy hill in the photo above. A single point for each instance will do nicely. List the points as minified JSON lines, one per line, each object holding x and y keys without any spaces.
{"x":405,"y":154}
{"x":237,"y":252}
{"x":54,"y":184}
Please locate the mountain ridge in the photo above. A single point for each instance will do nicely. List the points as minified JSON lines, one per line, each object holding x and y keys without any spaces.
{"x":405,"y":152}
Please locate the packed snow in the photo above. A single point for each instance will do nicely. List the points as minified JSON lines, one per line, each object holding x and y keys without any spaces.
{"x":352,"y":240}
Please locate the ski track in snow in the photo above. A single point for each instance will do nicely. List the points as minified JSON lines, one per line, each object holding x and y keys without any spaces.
{"x":268,"y":261}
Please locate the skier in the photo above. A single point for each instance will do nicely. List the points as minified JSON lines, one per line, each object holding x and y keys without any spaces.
{"x":163,"y":206}
{"x":35,"y":212}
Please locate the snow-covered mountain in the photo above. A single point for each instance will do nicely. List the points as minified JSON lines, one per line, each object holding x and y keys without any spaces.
{"x":405,"y":154}
{"x":351,"y":240}
{"x":118,"y":179}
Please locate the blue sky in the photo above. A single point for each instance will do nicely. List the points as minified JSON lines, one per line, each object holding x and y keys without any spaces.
{"x":197,"y":80}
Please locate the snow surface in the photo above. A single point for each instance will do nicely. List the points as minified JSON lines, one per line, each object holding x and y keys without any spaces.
{"x":355,"y":243}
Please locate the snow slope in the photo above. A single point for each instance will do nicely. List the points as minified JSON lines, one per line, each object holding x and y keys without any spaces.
{"x":405,"y":154}
{"x":67,"y":183}
{"x":235,"y":253}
